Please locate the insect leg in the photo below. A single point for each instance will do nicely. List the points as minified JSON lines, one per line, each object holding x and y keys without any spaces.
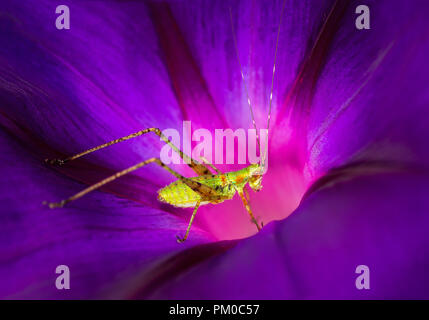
{"x":195,"y":165}
{"x":110,"y":179}
{"x":206,"y":162}
{"x":246,"y":193}
{"x":180,"y":240}
{"x":102,"y":146}
{"x":201,"y":189}
{"x":246,"y":204}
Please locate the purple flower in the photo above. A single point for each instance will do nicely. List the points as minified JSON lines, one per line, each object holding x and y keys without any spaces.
{"x":347,"y":183}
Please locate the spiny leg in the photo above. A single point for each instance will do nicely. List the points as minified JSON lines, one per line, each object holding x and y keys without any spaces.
{"x":197,"y":167}
{"x":206,"y":162}
{"x":246,"y":193}
{"x":102,"y":146}
{"x":199,"y":188}
{"x":111,"y":178}
{"x":246,"y":204}
{"x":181,"y":240}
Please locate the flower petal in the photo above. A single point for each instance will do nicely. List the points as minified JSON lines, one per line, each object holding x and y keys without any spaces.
{"x":78,"y":88}
{"x":102,"y":239}
{"x":376,"y":220}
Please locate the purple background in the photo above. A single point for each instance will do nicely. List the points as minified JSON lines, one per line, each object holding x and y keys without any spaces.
{"x":348,"y":148}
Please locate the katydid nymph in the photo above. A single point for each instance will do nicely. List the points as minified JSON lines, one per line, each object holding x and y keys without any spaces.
{"x":207,"y":187}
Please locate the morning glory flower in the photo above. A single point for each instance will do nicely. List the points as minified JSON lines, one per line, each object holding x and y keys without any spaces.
{"x":347,"y":180}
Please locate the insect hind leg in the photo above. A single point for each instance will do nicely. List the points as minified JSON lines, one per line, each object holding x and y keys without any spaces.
{"x":99,"y":147}
{"x":112,"y":178}
{"x":207,"y":163}
{"x":199,"y":168}
{"x":201,"y":189}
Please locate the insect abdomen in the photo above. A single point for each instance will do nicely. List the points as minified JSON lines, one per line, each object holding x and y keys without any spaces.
{"x":178,"y":194}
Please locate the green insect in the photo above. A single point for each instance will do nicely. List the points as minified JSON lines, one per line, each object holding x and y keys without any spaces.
{"x":206,"y":188}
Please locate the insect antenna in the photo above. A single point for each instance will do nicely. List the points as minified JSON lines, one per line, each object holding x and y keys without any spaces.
{"x":242,"y":77}
{"x":272,"y":83}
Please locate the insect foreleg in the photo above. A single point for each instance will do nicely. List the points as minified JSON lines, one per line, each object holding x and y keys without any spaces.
{"x":246,"y":193}
{"x":180,"y":240}
{"x":246,"y":204}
